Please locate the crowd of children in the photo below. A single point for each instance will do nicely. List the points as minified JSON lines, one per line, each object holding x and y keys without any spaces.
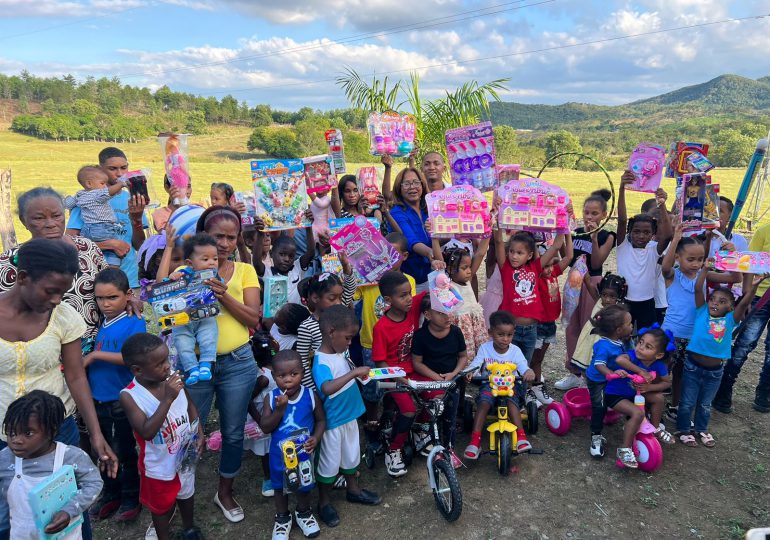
{"x":309,"y":393}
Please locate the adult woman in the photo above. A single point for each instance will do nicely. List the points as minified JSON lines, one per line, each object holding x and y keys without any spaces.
{"x":352,"y":204}
{"x":409,"y":212}
{"x":41,"y":211}
{"x":38,"y":329}
{"x":235,"y":371}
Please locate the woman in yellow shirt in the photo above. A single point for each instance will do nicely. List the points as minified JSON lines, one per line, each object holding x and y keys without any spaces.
{"x":235,"y":371}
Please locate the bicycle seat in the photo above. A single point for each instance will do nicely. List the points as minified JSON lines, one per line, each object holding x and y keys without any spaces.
{"x":430,"y":385}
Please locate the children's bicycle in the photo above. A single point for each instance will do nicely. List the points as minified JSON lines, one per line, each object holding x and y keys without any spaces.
{"x":441,"y":475}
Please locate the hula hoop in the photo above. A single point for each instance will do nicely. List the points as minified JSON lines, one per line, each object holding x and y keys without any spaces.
{"x":601,"y":167}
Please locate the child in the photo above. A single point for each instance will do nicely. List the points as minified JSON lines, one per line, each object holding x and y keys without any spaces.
{"x":321,"y":291}
{"x":261,"y":446}
{"x":200,"y":253}
{"x":336,"y":381}
{"x":373,"y":306}
{"x":221,"y":194}
{"x":392,"y":347}
{"x":638,"y":256}
{"x":284,"y":262}
{"x":519,"y":270}
{"x":614,"y":326}
{"x":31,"y":423}
{"x":165,"y":425}
{"x":498,"y":350}
{"x":612,"y":290}
{"x":649,"y":355}
{"x":709,"y":348}
{"x":107,"y":376}
{"x":689,"y":253}
{"x":286,"y":325}
{"x":287,"y":408}
{"x":461,"y":267}
{"x":99,"y":221}
{"x":548,"y":283}
{"x":439,"y":354}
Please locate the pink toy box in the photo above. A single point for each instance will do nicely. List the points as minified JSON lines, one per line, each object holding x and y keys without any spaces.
{"x":533,"y":205}
{"x":458,"y":211}
{"x":697,"y":202}
{"x":647,"y":162}
{"x":319,"y":173}
{"x":369,"y":185}
{"x":471,"y":152}
{"x":368,"y":252}
{"x":753,"y":262}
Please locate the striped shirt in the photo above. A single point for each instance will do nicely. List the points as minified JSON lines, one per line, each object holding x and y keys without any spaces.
{"x":94,"y":205}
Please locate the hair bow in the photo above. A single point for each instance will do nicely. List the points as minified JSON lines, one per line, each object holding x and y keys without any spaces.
{"x":324,"y":276}
{"x":671,"y":347}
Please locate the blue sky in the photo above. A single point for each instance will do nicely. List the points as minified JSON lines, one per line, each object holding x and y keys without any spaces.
{"x":296,"y":47}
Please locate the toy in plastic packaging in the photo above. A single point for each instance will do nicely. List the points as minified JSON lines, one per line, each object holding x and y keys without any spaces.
{"x":677,"y":162}
{"x":249,"y":202}
{"x":336,"y":150}
{"x":530,"y":204}
{"x":330,"y":264}
{"x":49,"y":497}
{"x":508,"y":172}
{"x":471,"y":152}
{"x":458,"y":211}
{"x":175,"y":160}
{"x":276,"y":294}
{"x":369,"y":185}
{"x":319,"y":173}
{"x":188,"y":457}
{"x":368,"y":252}
{"x":391,"y":133}
{"x":336,"y":224}
{"x":572,"y":288}
{"x":137,"y":183}
{"x":700,"y":162}
{"x":281,"y":195}
{"x":753,"y":262}
{"x":297,"y":462}
{"x":697,"y":202}
{"x":251,"y":431}
{"x":444,"y":296}
{"x":179,"y":301}
{"x":647,"y":162}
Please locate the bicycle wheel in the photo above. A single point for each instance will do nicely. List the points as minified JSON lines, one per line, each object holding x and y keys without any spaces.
{"x":369,"y":457}
{"x":532,"y":420}
{"x":503,"y":447}
{"x":449,"y":498}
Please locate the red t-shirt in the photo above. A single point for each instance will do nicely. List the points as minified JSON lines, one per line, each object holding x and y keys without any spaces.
{"x":549,"y":292}
{"x":392,"y":341}
{"x":521,"y":295}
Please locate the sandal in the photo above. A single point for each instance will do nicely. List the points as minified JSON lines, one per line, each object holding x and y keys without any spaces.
{"x":664,"y":436}
{"x":706,"y":439}
{"x":688,"y":439}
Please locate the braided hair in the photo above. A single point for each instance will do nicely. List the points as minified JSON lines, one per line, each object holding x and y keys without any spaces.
{"x":643,"y":218}
{"x":615,"y":283}
{"x":453,"y":256}
{"x":48,"y":409}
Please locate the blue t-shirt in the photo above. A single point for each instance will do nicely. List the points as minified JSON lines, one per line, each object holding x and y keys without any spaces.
{"x":119,"y":204}
{"x":712,"y":336}
{"x":680,"y":314}
{"x":413,"y":228}
{"x":346,"y":404}
{"x":107,"y":380}
{"x":624,"y":387}
{"x":606,"y":352}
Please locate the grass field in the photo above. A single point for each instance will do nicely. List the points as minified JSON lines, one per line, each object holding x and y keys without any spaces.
{"x":222,"y":156}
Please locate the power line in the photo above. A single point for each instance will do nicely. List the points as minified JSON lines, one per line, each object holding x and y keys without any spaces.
{"x":429,"y":23}
{"x":508,"y":55}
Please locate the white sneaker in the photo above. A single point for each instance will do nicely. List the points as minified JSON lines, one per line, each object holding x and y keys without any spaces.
{"x":394,"y":463}
{"x":541,"y":394}
{"x":530,"y":397}
{"x":308,"y":524}
{"x":597,"y":446}
{"x":281,"y":530}
{"x":570,"y":381}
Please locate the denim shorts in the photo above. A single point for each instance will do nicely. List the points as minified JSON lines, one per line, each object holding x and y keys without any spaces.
{"x":546,"y":333}
{"x":369,"y":391}
{"x":485,"y":394}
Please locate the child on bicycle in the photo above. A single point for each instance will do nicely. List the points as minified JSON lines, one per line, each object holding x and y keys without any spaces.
{"x":439,"y":354}
{"x":499,"y":349}
{"x":392,"y":347}
{"x":650,"y":354}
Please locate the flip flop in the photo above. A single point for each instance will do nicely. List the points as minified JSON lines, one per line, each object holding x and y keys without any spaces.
{"x":706,"y":439}
{"x":688,"y":439}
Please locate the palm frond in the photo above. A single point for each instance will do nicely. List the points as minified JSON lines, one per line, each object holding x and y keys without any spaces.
{"x":362,"y":95}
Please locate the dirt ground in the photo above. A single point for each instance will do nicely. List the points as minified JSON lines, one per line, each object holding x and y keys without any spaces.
{"x":562,"y":494}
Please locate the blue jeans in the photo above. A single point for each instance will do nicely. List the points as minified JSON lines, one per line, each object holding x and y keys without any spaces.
{"x":99,"y":232}
{"x":747,"y":342}
{"x":525,"y":338}
{"x":204,"y":333}
{"x":233,"y":379}
{"x":699,"y":386}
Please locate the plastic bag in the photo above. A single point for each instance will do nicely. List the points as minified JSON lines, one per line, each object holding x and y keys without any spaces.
{"x":572,"y":287}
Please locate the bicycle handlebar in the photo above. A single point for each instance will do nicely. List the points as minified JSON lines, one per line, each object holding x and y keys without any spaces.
{"x":636,"y":379}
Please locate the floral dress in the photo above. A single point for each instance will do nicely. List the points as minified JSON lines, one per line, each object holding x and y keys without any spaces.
{"x":470,"y":319}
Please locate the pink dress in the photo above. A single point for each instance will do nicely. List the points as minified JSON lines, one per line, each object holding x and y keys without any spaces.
{"x":493,"y":296}
{"x":470,"y":319}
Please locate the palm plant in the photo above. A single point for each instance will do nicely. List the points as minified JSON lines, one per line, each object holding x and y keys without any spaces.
{"x":464,"y":106}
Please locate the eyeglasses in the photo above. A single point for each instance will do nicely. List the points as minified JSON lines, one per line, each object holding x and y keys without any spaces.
{"x":410,"y":183}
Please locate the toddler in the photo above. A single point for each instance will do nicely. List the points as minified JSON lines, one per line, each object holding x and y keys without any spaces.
{"x":286,"y":326}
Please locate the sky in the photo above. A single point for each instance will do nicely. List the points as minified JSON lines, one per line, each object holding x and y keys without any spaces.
{"x":287,"y":53}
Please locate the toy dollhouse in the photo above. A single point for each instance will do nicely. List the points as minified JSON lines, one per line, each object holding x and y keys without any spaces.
{"x":533,"y":205}
{"x":458,"y":210}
